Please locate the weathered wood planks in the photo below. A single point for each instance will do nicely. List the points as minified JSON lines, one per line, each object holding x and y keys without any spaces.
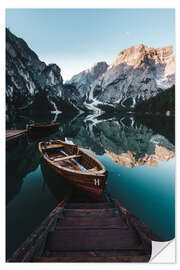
{"x":14,"y":134}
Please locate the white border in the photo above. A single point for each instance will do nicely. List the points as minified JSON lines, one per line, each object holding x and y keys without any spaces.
{"x":72,"y":4}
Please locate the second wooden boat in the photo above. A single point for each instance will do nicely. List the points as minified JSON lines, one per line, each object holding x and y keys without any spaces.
{"x":80,"y":168}
{"x":42,"y":127}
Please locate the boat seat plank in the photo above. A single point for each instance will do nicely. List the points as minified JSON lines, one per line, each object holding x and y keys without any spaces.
{"x":68,"y":157}
{"x":94,"y":171}
{"x":52,"y":146}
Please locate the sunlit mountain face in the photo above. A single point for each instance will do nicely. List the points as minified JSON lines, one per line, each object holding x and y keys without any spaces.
{"x":136,"y":74}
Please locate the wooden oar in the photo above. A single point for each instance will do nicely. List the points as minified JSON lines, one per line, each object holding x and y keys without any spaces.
{"x":84,"y":147}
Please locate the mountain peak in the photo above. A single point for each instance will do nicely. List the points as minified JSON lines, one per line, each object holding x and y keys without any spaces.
{"x":137,"y":55}
{"x":97,"y":66}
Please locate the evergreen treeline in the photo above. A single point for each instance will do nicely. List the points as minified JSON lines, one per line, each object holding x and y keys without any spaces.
{"x":161,"y":103}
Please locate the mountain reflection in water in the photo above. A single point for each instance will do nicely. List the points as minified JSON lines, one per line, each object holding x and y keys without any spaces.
{"x":125,"y":141}
{"x":129,"y":159}
{"x":134,"y":155}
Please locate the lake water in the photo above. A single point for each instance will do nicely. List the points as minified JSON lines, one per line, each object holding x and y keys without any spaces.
{"x":139,"y":159}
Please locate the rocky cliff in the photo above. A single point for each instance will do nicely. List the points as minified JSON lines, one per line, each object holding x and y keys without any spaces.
{"x":136,"y":74}
{"x":31,"y":85}
{"x":83,"y":82}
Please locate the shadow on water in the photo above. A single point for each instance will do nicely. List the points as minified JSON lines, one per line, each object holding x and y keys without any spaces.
{"x":21,"y":159}
{"x":161,"y":124}
{"x":30,"y":195}
{"x":137,"y":156}
{"x":57,"y":185}
{"x":20,"y":122}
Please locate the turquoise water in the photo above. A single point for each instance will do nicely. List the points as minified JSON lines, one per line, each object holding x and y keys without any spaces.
{"x":149,"y":193}
{"x":27,"y":209}
{"x":33,"y":189}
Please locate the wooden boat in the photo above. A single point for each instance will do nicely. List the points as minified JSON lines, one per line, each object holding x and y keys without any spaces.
{"x":42,"y":127}
{"x":80,"y":168}
{"x":86,"y":232}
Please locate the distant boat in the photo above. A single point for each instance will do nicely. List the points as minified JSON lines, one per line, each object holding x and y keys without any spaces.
{"x":79,"y":167}
{"x":33,"y":131}
{"x":42,"y":127}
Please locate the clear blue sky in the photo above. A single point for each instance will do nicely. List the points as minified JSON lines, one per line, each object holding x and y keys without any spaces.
{"x":75,"y":39}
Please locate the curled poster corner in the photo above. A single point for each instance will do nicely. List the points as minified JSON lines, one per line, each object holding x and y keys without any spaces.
{"x":163,"y":252}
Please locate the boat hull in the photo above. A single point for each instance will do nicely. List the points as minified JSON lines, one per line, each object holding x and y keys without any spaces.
{"x":40,"y":128}
{"x":87,"y":183}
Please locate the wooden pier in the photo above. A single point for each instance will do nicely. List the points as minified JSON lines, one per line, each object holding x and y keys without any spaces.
{"x":85,"y":231}
{"x":14,"y":134}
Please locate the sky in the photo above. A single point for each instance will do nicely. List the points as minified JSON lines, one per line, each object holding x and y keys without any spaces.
{"x":76,"y":39}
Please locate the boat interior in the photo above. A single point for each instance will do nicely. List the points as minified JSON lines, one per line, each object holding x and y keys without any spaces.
{"x":70,"y":156}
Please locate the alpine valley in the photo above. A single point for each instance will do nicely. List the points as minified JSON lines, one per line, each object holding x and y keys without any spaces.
{"x":136,"y":75}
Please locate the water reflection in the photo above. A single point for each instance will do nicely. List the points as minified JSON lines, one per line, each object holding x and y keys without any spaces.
{"x":130,"y":159}
{"x":21,"y":159}
{"x":57,"y":185}
{"x":138,"y":158}
{"x":125,"y":141}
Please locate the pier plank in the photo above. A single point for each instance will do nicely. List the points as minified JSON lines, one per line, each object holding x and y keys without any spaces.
{"x":90,"y":212}
{"x":100,"y":239}
{"x":91,"y":222}
{"x":14,"y":134}
{"x":123,"y":258}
